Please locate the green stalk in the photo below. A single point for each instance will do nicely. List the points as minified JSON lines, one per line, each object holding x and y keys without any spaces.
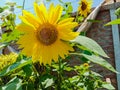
{"x":59,"y":75}
{"x":23,"y":6}
{"x":76,"y":18}
{"x":37,"y":75}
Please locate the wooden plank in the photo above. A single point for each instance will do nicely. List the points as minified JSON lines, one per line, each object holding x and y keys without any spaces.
{"x":108,"y":2}
{"x":116,"y":41}
{"x":110,"y":6}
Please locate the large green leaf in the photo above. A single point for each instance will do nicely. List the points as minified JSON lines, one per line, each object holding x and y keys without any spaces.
{"x":90,"y":44}
{"x":100,"y":61}
{"x":108,"y":86}
{"x":14,"y":84}
{"x":117,"y":21}
{"x":15,"y":66}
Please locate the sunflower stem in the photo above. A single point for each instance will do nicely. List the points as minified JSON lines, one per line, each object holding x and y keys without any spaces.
{"x":37,"y":75}
{"x":23,"y":6}
{"x":59,"y":75}
{"x":76,"y":18}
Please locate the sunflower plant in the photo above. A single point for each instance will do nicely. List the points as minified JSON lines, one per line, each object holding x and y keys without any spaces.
{"x":85,"y":7}
{"x":47,"y":44}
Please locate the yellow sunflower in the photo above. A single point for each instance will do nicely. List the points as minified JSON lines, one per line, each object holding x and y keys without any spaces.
{"x":6,"y":60}
{"x":85,"y":7}
{"x":45,"y":35}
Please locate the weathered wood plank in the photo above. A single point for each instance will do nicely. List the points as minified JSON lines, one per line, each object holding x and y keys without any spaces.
{"x":116,"y":41}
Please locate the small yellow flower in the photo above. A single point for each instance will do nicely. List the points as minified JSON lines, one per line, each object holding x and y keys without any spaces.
{"x":86,"y":64}
{"x":45,"y":35}
{"x":6,"y":60}
{"x":85,"y":7}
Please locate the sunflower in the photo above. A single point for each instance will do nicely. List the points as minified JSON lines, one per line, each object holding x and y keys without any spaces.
{"x":6,"y":60}
{"x":85,"y":7}
{"x":46,"y":37}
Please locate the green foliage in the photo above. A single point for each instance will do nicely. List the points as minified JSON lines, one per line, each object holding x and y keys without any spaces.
{"x":3,"y":8}
{"x":117,"y":21}
{"x":108,"y":86}
{"x":93,"y":21}
{"x":90,"y":45}
{"x":117,"y":12}
{"x":95,"y":49}
{"x":11,"y":3}
{"x":9,"y":33}
{"x":100,"y":61}
{"x":67,"y":8}
{"x":16,"y":66}
{"x":79,"y":18}
{"x":11,"y":37}
{"x":25,"y":75}
{"x":47,"y":83}
{"x":13,"y":84}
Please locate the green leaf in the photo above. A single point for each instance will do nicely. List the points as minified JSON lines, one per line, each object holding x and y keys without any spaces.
{"x":96,"y":74}
{"x":11,"y":3}
{"x":74,"y":79}
{"x":100,"y":61}
{"x":2,"y":46}
{"x":68,"y":68}
{"x":80,"y":19}
{"x":90,"y":44}
{"x":11,"y":37}
{"x":117,"y":12}
{"x":14,"y":84}
{"x":108,"y":86}
{"x":28,"y":70}
{"x":61,"y":1}
{"x":1,"y":9}
{"x":15,"y":66}
{"x":46,"y":0}
{"x":19,"y":7}
{"x":94,"y":21}
{"x":117,"y":21}
{"x":69,"y":7}
{"x":48,"y":82}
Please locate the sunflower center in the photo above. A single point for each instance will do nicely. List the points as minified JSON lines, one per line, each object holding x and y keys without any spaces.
{"x":47,"y":34}
{"x":83,"y":6}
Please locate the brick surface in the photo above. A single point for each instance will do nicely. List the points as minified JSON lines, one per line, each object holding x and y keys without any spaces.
{"x":103,"y":36}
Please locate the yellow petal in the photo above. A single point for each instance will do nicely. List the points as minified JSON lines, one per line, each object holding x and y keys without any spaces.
{"x":41,"y":12}
{"x":67,"y":25}
{"x":68,"y":36}
{"x":56,"y":14}
{"x":25,"y":28}
{"x":31,"y":18}
{"x":51,"y":12}
{"x":65,"y":21}
{"x":26,"y":22}
{"x":25,"y":43}
{"x":36,"y":55}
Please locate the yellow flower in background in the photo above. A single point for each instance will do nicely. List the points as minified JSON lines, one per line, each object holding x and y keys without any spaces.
{"x":85,"y":7}
{"x":45,"y":35}
{"x":6,"y":60}
{"x":86,"y":64}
